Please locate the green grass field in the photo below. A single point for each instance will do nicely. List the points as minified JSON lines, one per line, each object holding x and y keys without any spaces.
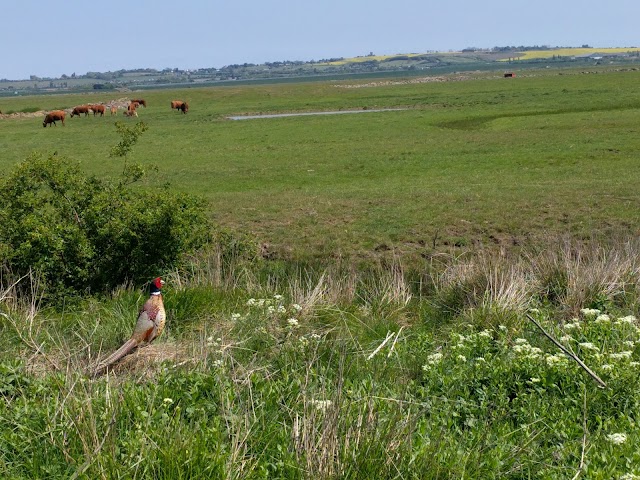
{"x":322,"y":367}
{"x":486,"y":160}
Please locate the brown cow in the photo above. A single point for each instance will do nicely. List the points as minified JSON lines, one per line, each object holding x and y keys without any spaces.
{"x":97,"y":108}
{"x":140,"y":101}
{"x":130,"y":113}
{"x":180,"y":105}
{"x":54,"y":116}
{"x":80,"y":109}
{"x":114,"y":110}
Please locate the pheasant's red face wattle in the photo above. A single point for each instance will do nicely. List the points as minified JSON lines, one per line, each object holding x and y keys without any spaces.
{"x":158,"y":282}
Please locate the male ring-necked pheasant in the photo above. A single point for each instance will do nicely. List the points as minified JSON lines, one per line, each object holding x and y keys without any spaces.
{"x":150,"y":324}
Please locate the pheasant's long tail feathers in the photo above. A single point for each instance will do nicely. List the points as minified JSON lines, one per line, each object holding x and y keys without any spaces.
{"x":125,"y":349}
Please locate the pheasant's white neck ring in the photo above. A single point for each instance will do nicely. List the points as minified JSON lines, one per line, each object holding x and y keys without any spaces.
{"x":156,"y":293}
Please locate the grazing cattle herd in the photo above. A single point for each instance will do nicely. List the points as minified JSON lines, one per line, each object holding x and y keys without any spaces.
{"x":100,"y":108}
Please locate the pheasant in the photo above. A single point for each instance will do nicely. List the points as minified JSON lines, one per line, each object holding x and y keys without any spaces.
{"x":150,"y":324}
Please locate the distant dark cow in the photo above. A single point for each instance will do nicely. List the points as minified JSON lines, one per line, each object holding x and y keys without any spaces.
{"x":81,"y":109}
{"x":180,"y":105}
{"x":97,"y":109}
{"x":53,"y":117}
{"x":140,"y":101}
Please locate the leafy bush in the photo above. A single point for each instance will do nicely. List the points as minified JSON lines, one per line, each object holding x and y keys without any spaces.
{"x":83,"y":234}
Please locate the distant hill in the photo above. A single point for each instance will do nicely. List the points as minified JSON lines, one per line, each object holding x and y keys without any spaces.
{"x":368,"y":65}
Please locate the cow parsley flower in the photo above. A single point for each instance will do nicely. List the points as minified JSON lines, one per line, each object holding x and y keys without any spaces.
{"x":251,"y":302}
{"x":486,"y":334}
{"x":617,"y":438}
{"x":462,"y":358}
{"x":590,"y":312}
{"x":553,"y":360}
{"x":589,"y":346}
{"x":628,"y":319}
{"x":296,"y":307}
{"x":293,"y":323}
{"x":235,"y":316}
{"x":432,"y":359}
{"x":603,"y":318}
{"x":278,"y":297}
{"x":621,"y":355}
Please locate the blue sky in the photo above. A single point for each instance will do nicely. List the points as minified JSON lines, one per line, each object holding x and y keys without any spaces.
{"x":49,"y":39}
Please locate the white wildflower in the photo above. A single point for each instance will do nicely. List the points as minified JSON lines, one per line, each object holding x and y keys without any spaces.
{"x":621,"y":355}
{"x":486,"y":334}
{"x":534,"y":380}
{"x":281,"y":309}
{"x":629,"y":476}
{"x":271,"y":309}
{"x":296,"y":307}
{"x":462,"y":358}
{"x":315,"y":336}
{"x":278,"y":297}
{"x":434,"y":358}
{"x":629,"y":343}
{"x":167,"y":401}
{"x":481,"y":359}
{"x":502,"y":328}
{"x":218,"y":363}
{"x":627,"y":319}
{"x":603,"y":318}
{"x":293,"y":323}
{"x":566,"y":338}
{"x":534,"y":310}
{"x":590,"y":312}
{"x":235,"y":316}
{"x":553,"y":360}
{"x":634,"y":364}
{"x":251,"y":302}
{"x":571,"y":326}
{"x":607,"y":367}
{"x":589,"y":346}
{"x":617,"y":438}
{"x":521,"y":341}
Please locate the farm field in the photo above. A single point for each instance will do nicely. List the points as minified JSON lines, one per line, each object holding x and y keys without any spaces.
{"x":481,"y":161}
{"x":419,"y":268}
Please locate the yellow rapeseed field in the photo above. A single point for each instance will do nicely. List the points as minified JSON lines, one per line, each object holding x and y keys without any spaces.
{"x":527,"y":55}
{"x":571,"y":52}
{"x":370,"y":58}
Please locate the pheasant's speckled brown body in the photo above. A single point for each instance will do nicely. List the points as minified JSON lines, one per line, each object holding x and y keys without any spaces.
{"x":150,"y":324}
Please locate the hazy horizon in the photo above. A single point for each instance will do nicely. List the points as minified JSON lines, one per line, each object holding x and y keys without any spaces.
{"x":65,"y":39}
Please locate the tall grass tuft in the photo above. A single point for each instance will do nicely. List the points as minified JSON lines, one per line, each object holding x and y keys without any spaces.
{"x":587,"y":275}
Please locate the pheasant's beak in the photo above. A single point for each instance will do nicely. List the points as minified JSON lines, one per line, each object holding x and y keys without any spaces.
{"x":161,"y":282}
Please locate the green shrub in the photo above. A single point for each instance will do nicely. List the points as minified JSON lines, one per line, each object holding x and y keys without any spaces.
{"x":81,"y":233}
